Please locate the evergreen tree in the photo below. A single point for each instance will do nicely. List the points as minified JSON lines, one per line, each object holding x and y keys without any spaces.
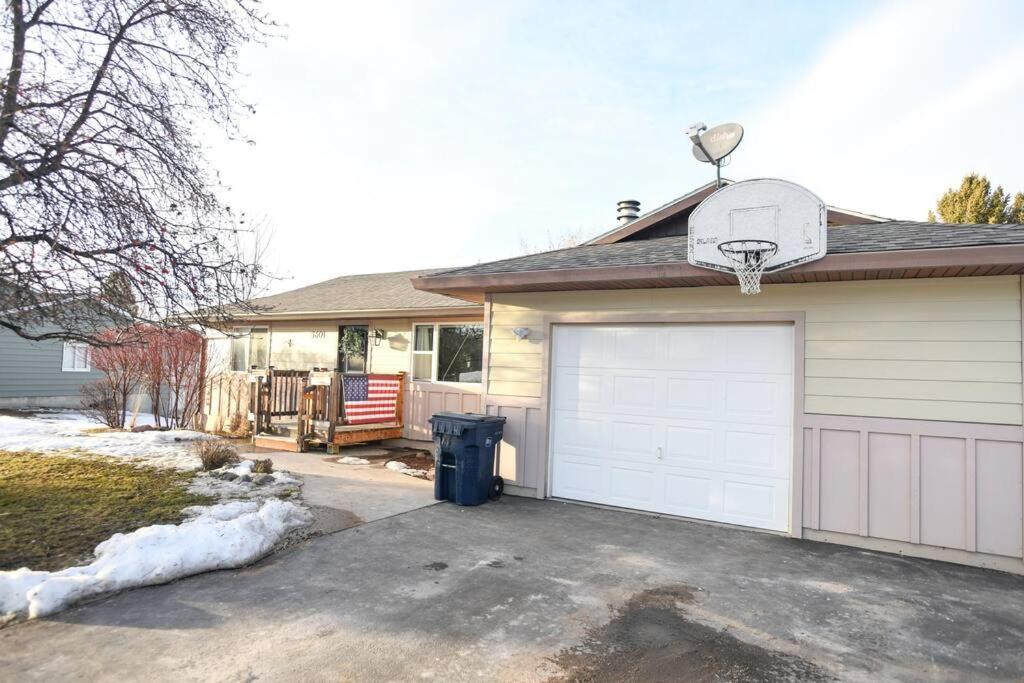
{"x":976,"y":202}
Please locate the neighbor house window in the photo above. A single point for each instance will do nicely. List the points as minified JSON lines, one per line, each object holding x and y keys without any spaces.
{"x":76,"y":357}
{"x":250,"y":346}
{"x":448,"y":353}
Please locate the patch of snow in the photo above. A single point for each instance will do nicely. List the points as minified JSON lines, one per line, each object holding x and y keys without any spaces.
{"x":68,"y":431}
{"x":352,"y":460}
{"x":401,"y":467}
{"x":245,"y":484}
{"x":217,"y":537}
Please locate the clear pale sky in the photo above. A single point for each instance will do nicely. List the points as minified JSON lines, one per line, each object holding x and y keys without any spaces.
{"x":416,"y":134}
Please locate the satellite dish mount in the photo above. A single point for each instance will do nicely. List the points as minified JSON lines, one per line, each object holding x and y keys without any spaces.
{"x":713,"y":145}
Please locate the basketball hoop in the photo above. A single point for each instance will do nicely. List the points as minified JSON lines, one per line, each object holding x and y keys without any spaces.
{"x":749,"y":258}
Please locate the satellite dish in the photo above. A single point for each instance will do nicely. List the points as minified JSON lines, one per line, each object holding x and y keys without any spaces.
{"x":714,"y":144}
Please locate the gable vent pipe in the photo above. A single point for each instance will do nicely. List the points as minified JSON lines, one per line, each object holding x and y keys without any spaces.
{"x":628,"y":210}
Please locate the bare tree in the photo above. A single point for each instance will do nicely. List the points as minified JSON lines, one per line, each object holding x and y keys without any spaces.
{"x":123,"y":373}
{"x":560,"y":240}
{"x":103,"y":175}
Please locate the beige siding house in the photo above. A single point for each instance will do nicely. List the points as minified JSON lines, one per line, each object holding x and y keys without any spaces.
{"x":871,"y":398}
{"x":390,"y":328}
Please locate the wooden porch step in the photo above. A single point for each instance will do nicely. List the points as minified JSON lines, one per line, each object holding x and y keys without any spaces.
{"x":278,"y":443}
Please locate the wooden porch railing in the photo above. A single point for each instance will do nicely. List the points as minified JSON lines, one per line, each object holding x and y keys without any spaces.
{"x":314,"y":398}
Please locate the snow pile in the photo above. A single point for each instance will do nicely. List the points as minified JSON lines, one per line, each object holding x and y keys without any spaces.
{"x":353,"y":460}
{"x":68,"y":431}
{"x":399,"y":466}
{"x":218,"y":537}
{"x":238,"y":481}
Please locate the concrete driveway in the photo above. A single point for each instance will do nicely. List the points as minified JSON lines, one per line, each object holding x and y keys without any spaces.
{"x":531,"y":590}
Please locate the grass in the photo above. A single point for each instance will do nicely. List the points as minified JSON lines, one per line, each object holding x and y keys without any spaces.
{"x":54,"y":510}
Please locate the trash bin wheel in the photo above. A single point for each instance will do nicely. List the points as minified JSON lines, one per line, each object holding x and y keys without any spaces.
{"x":497,"y":488}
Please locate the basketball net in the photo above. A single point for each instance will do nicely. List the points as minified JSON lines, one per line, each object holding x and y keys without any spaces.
{"x":749,"y":258}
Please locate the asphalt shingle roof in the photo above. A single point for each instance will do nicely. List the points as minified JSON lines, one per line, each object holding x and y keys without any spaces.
{"x":842,"y":239}
{"x":371,"y":292}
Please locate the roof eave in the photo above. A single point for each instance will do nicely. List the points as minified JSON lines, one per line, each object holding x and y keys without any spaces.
{"x":867,"y":265}
{"x":468,"y":309}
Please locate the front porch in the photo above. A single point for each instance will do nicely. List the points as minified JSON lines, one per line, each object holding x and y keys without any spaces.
{"x":294,"y":410}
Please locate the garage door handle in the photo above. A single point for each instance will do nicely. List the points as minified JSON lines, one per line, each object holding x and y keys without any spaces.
{"x":659,"y":452}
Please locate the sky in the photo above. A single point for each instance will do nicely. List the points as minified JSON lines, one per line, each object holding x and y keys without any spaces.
{"x":422,"y":133}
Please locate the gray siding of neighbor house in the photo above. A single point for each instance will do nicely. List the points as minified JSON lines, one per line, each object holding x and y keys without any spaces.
{"x":31,"y":375}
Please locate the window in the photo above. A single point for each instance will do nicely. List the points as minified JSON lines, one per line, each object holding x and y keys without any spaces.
{"x":352,"y":347}
{"x":448,"y":353}
{"x":76,"y":357}
{"x":249,"y":343}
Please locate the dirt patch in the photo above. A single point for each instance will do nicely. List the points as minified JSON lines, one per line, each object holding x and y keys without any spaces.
{"x":436,"y":566}
{"x":650,"y":639}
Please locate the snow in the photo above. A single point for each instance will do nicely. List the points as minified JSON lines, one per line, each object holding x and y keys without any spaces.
{"x":353,"y":460}
{"x":398,"y":466}
{"x":247,"y":523}
{"x":68,"y":431}
{"x":277,"y":484}
{"x":219,"y":537}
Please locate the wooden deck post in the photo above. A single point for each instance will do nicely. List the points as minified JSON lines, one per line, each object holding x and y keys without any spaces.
{"x":400,"y":401}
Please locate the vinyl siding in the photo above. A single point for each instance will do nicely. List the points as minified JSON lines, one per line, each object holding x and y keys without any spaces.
{"x":31,"y":369}
{"x":393,"y":354}
{"x":929,"y":349}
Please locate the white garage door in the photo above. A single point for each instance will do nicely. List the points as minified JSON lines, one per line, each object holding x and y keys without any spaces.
{"x":693,"y":420}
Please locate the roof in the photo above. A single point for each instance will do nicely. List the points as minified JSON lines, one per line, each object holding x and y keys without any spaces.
{"x":358,"y":293}
{"x":679,"y":208}
{"x":843,"y":239}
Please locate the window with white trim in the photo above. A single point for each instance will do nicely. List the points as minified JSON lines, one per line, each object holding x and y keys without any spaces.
{"x":75,"y":358}
{"x":448,"y":353}
{"x":249,"y":347}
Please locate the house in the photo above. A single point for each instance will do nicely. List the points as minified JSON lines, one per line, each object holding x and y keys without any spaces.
{"x":373,"y":323}
{"x":39,"y":374}
{"x":42,"y":374}
{"x":871,"y":398}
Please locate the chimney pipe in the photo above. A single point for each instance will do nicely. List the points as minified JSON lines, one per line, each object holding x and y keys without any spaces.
{"x":628,"y":210}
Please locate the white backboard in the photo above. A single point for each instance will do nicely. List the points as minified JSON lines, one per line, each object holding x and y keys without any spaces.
{"x":764,"y":209}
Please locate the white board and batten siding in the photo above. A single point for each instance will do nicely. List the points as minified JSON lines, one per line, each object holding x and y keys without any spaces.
{"x":935,"y":362}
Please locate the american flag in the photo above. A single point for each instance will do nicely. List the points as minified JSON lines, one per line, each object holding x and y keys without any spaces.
{"x":370,"y":398}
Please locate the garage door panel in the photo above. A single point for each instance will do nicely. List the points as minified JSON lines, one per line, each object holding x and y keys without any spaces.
{"x":632,"y":391}
{"x":633,"y":347}
{"x":630,"y":487}
{"x":689,"y":349}
{"x":633,"y":440}
{"x":578,"y":478}
{"x":579,"y":390}
{"x":666,"y":419}
{"x":690,"y":445}
{"x":575,"y":432}
{"x":689,"y":394}
{"x":758,"y":453}
{"x":689,"y":495}
{"x":753,"y":503}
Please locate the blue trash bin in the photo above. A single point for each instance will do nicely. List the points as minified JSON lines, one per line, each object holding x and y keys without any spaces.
{"x":464,"y":453}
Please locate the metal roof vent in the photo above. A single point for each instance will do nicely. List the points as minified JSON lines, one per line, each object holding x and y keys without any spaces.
{"x":628,"y":210}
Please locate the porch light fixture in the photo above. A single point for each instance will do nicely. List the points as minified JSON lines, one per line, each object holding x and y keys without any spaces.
{"x":521,"y":332}
{"x":379,"y":335}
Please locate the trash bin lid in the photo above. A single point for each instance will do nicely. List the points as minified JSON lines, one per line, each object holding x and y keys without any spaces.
{"x":469,"y":417}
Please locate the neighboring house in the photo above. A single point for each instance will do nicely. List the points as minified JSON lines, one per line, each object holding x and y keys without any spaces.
{"x":376,"y":323}
{"x":871,"y":398}
{"x":42,"y":374}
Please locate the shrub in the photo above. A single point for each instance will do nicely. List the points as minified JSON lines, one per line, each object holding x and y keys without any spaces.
{"x":101,"y":402}
{"x":214,"y":453}
{"x":263,"y":466}
{"x":239,"y":425}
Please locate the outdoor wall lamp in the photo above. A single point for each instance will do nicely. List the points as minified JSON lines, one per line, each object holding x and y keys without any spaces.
{"x":379,"y":335}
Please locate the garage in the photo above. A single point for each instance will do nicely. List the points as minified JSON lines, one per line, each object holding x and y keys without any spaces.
{"x":694,"y":420}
